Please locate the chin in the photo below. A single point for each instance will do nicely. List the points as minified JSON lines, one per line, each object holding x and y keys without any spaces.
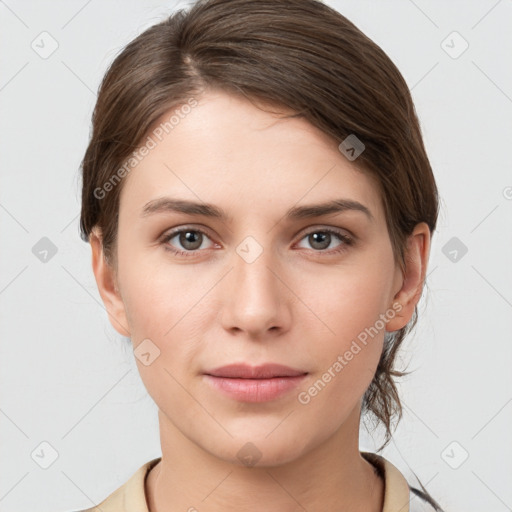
{"x":259,"y":450}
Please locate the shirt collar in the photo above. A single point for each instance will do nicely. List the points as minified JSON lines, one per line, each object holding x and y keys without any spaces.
{"x":396,"y":487}
{"x":131,"y":496}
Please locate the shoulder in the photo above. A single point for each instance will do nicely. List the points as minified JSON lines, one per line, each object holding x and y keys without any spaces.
{"x":422,"y":501}
{"x":399,"y":494}
{"x":130,"y":497}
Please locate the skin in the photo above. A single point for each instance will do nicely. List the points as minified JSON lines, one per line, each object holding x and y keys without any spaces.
{"x":297,"y":304}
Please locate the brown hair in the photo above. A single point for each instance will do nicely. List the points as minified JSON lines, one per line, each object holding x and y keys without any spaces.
{"x":299,"y":54}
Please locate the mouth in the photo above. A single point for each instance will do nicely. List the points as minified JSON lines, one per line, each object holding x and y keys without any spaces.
{"x":246,"y":383}
{"x":245,"y":371}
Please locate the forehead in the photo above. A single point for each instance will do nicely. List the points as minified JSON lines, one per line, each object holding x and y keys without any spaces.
{"x":226,"y":148}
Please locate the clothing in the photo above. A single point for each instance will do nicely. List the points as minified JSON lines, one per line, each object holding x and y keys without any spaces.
{"x":131,"y":496}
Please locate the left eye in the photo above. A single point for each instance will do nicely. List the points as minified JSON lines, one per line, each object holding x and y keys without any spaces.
{"x":321,"y":238}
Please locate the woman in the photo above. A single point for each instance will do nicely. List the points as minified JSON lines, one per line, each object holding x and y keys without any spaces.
{"x":260,"y":208}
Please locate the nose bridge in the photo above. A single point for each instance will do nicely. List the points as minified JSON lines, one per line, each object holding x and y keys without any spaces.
{"x":255,"y":293}
{"x":253,"y":262}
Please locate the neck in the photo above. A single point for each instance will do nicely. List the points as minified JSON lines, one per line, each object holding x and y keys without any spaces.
{"x":332,"y":476}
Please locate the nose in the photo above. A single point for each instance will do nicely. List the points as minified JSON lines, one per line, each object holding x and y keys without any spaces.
{"x":256,"y":299}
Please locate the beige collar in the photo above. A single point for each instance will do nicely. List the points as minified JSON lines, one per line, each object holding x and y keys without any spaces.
{"x":131,"y":496}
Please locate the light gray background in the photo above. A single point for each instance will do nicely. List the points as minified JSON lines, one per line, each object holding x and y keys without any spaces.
{"x":66,"y":379}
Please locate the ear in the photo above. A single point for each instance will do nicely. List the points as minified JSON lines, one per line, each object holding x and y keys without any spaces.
{"x":410,"y":281}
{"x":107,"y":285}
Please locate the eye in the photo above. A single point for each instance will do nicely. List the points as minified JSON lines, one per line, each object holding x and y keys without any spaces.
{"x":191,"y":239}
{"x":320,"y":240}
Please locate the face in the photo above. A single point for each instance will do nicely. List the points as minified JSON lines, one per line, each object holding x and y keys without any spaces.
{"x":271,"y":281}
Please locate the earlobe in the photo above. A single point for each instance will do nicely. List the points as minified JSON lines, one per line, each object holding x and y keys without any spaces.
{"x":412,"y":277}
{"x":107,"y":286}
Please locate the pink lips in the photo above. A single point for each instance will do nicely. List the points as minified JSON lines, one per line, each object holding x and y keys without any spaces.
{"x":254,"y":383}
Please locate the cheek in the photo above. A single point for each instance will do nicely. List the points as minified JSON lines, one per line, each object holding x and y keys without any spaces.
{"x":165,"y":307}
{"x":158,"y":297}
{"x":349,"y":314}
{"x":168,"y":305}
{"x":346,"y":361}
{"x":347,"y":301}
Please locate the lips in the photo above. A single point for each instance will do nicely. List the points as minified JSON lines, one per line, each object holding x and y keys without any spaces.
{"x":245,"y":371}
{"x":253,"y":384}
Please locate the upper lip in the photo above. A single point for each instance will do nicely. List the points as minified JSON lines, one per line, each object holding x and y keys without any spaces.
{"x":264,"y":371}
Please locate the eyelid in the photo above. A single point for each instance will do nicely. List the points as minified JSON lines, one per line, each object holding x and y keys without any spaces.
{"x":183,"y":227}
{"x":333,"y":229}
{"x":306,"y":231}
{"x":171,"y":233}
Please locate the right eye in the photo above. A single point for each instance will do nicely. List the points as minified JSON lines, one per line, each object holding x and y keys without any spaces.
{"x":191,"y":239}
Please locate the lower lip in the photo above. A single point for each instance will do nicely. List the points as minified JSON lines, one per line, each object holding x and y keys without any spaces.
{"x":255,"y":390}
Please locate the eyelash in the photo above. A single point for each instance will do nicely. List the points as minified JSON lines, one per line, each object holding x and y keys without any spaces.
{"x":347,"y":241}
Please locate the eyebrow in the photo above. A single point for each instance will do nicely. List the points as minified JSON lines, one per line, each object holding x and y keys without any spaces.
{"x":168,"y":204}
